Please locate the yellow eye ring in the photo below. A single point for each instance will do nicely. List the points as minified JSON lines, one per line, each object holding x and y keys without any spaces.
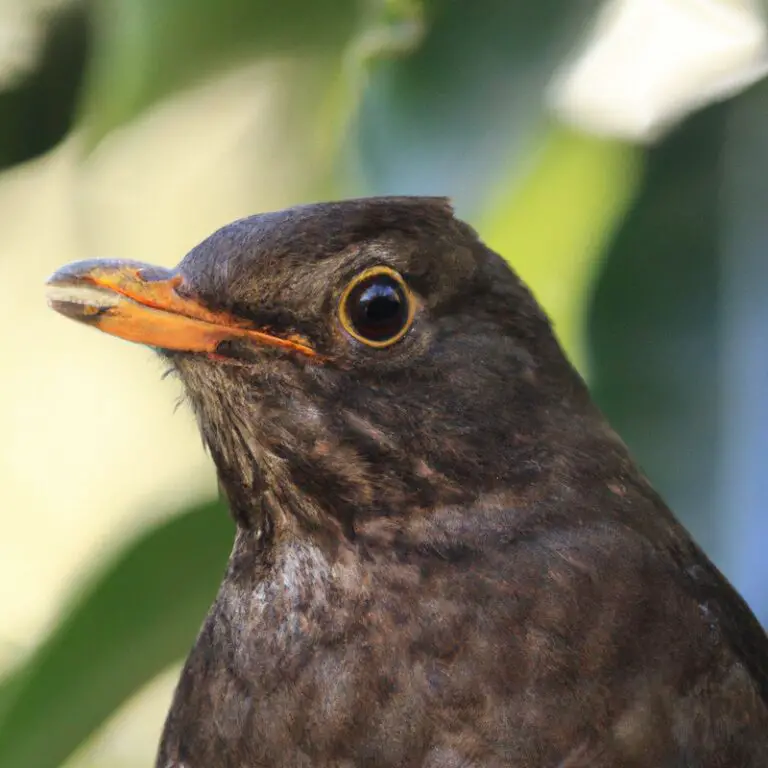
{"x":377,"y":307}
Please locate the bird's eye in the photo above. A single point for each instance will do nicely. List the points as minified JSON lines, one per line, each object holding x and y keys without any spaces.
{"x":377,"y":308}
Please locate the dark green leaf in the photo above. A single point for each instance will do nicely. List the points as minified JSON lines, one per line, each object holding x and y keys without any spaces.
{"x":678,"y":332}
{"x":654,"y":323}
{"x":743,"y":353}
{"x":38,"y":111}
{"x":139,"y":616}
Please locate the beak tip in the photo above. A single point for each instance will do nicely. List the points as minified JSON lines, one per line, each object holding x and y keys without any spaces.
{"x":71,"y":274}
{"x":73,"y":296}
{"x":75,"y":310}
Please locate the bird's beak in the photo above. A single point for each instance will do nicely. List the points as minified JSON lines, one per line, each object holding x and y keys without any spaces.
{"x":142,"y":303}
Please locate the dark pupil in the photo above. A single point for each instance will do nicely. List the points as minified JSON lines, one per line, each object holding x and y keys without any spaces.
{"x":377,"y":308}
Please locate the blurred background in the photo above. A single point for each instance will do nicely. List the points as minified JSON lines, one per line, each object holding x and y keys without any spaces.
{"x":614,"y":151}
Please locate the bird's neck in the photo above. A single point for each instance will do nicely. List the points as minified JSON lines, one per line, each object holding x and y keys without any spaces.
{"x":395,"y":504}
{"x":358,"y":470}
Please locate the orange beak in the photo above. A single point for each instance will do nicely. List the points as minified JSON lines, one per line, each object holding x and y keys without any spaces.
{"x":140,"y":303}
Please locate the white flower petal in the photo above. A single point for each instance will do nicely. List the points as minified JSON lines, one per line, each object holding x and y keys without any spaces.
{"x":648,"y":63}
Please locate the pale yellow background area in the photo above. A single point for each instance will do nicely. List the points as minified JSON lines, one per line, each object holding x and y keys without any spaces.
{"x":92,"y":448}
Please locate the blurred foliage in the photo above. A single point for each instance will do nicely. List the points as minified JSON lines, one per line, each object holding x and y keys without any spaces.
{"x":145,"y":49}
{"x":397,"y":97}
{"x":465,"y":105}
{"x":665,"y":353}
{"x":576,"y":191}
{"x":38,"y":110}
{"x":653,"y":323}
{"x":137,"y":617}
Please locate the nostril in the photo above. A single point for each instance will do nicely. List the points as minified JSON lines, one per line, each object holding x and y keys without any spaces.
{"x":155,"y":274}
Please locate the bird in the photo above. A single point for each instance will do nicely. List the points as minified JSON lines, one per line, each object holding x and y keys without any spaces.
{"x":444,"y":555}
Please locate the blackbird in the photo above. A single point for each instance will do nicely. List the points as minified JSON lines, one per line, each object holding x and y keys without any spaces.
{"x":444,"y":555}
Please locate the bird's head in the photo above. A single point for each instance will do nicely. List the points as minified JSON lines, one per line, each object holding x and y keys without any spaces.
{"x":350,"y":360}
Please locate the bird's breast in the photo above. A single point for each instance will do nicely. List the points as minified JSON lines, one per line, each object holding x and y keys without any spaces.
{"x":307,"y":657}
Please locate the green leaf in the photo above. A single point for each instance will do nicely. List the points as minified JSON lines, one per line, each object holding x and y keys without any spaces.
{"x":552,"y":227}
{"x":147,"y":49}
{"x":138,"y":616}
{"x":457,"y":113}
{"x":9,"y":687}
{"x":38,"y":110}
